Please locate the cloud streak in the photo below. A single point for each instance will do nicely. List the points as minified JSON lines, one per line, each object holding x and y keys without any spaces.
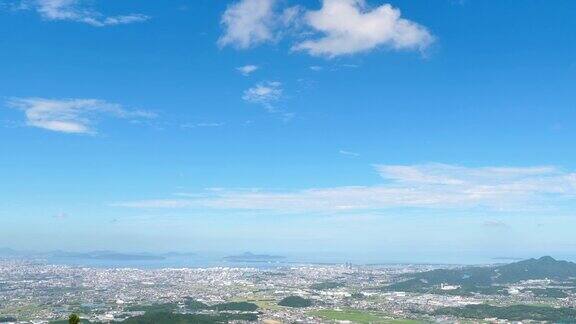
{"x":78,"y":11}
{"x":414,"y":186}
{"x":265,"y":94}
{"x":203,"y":125}
{"x":348,"y":153}
{"x":495,"y":224}
{"x":246,"y":70}
{"x":74,"y":116}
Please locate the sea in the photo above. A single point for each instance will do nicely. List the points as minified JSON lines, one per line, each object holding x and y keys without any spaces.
{"x":217,"y":260}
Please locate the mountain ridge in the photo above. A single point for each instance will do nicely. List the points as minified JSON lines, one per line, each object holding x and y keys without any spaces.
{"x":486,"y":278}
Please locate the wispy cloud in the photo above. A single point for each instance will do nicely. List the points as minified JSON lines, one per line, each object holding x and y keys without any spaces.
{"x":339,"y":27}
{"x":246,"y":70}
{"x":495,"y":224}
{"x":348,"y":153}
{"x":60,"y":216}
{"x":72,"y":115}
{"x":417,"y":186}
{"x":265,"y":94}
{"x":201,"y":125}
{"x":78,"y":11}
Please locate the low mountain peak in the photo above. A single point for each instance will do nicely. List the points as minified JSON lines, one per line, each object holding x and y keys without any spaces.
{"x":547,"y":258}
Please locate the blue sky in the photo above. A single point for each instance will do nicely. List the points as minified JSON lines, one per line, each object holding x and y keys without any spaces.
{"x":396,"y":129}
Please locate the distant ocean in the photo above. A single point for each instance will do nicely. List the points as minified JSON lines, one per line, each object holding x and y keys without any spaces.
{"x":217,"y":260}
{"x":175,"y":262}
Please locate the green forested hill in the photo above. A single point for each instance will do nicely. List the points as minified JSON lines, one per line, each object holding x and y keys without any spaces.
{"x":482,"y":278}
{"x":512,"y":313}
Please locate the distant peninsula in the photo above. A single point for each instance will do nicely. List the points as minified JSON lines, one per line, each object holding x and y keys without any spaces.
{"x":110,"y":255}
{"x":95,"y":255}
{"x":251,"y":257}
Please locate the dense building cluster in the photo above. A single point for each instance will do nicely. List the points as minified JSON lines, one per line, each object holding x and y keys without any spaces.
{"x":40,"y":293}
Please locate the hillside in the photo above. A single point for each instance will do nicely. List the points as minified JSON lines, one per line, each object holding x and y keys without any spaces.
{"x":482,"y":279}
{"x":511,"y":313}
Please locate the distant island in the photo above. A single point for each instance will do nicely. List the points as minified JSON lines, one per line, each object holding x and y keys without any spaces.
{"x":251,"y":257}
{"x":111,"y":255}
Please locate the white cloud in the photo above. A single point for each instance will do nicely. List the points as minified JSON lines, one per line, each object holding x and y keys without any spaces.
{"x":78,"y":11}
{"x":71,"y":115}
{"x":246,"y":70}
{"x":348,"y":153}
{"x":349,"y":27}
{"x":339,"y":27}
{"x":248,"y":23}
{"x":265,"y":93}
{"x":189,"y":125}
{"x":419,"y":186}
{"x":495,"y":224}
{"x":60,"y":216}
{"x":209,"y":124}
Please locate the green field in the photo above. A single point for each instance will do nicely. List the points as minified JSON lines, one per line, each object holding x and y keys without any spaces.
{"x":359,"y":316}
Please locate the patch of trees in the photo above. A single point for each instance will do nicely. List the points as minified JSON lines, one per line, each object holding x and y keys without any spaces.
{"x":511,"y":313}
{"x":195,"y":305}
{"x":172,"y":318}
{"x":295,"y":301}
{"x":326,"y":285}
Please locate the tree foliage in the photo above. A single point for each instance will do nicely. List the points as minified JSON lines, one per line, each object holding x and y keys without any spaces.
{"x":295,"y":301}
{"x":74,"y":319}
